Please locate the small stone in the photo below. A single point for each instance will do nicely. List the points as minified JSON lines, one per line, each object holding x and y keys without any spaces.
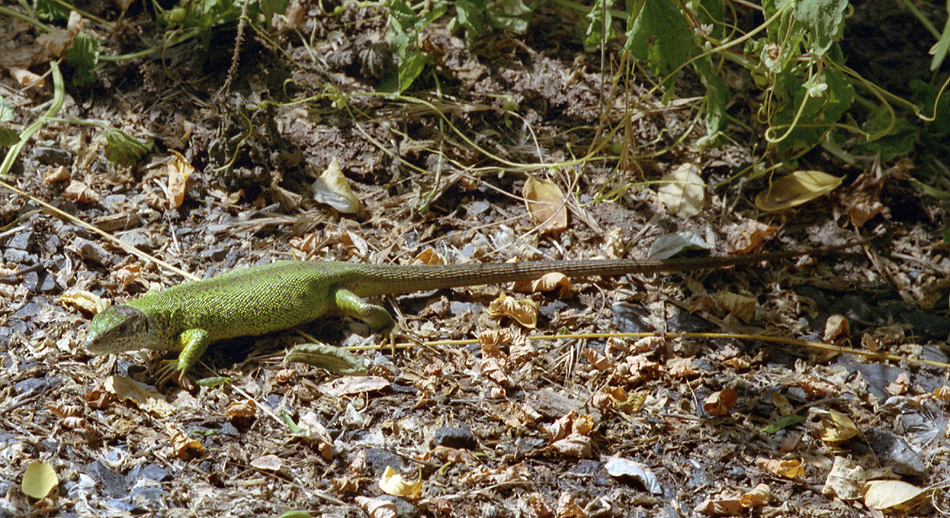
{"x":454,"y":437}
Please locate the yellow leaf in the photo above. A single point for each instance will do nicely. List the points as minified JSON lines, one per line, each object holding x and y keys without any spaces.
{"x":788,"y":468}
{"x":39,"y":479}
{"x":178,"y":171}
{"x":545,"y":204}
{"x":393,"y":484}
{"x":837,"y":427}
{"x":892,"y":494}
{"x":795,"y":189}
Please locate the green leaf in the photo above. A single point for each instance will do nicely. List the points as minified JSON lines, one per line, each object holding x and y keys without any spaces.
{"x":822,"y":20}
{"x":659,"y":35}
{"x":940,"y":49}
{"x":291,"y":425}
{"x":214,"y":381}
{"x":509,"y":15}
{"x":334,"y":359}
{"x":592,"y":26}
{"x":784,"y":422}
{"x":83,"y":55}
{"x":8,"y":137}
{"x":270,"y":8}
{"x":471,"y":16}
{"x":899,"y":141}
{"x":51,"y":11}
{"x":717,"y":98}
{"x":124,"y":149}
{"x":835,"y":96}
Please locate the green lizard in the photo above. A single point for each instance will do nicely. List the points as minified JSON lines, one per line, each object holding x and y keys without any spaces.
{"x":281,"y":295}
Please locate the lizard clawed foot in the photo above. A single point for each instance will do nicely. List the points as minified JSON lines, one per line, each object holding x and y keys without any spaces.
{"x":170,"y":371}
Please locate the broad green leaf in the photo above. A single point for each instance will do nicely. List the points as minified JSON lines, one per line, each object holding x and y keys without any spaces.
{"x":592,"y":26}
{"x":659,"y":35}
{"x":51,"y":11}
{"x":819,"y":113}
{"x":899,"y":141}
{"x":471,"y":16}
{"x":509,"y":15}
{"x":124,"y":149}
{"x":411,"y":67}
{"x":8,"y":136}
{"x":823,"y":20}
{"x":83,"y":55}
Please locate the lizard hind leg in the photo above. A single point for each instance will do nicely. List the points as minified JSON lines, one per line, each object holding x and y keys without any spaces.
{"x":356,"y":307}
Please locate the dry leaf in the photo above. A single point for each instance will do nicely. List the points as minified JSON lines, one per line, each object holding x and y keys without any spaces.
{"x":524,"y":311}
{"x":739,"y":305}
{"x":893,"y":495}
{"x":782,"y":403}
{"x":836,"y":328}
{"x":184,"y":446}
{"x":78,"y":192}
{"x":83,"y":300}
{"x":142,"y":396}
{"x":749,"y":237}
{"x":597,"y":359}
{"x":836,"y":427}
{"x":846,"y":480}
{"x":681,"y":367}
{"x":393,"y":484}
{"x":553,"y":281}
{"x":353,"y":385}
{"x":178,"y":171}
{"x":795,"y":189}
{"x":428,"y":256}
{"x":683,"y":192}
{"x":758,"y":497}
{"x":333,"y":189}
{"x":942,"y":393}
{"x":56,"y":174}
{"x":788,"y":468}
{"x":899,"y":386}
{"x":619,"y":467}
{"x":567,"y":507}
{"x":546,"y":205}
{"x":718,"y":403}
{"x":271,"y":463}
{"x":241,"y":414}
{"x":574,"y":445}
{"x":728,"y":503}
{"x":377,"y":507}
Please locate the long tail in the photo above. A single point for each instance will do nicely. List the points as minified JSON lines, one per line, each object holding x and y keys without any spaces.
{"x":386,"y":280}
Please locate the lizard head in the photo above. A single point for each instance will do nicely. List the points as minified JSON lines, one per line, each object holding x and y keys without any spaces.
{"x":118,"y":329}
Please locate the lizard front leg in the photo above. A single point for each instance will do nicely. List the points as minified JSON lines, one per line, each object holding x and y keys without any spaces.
{"x":193,"y":343}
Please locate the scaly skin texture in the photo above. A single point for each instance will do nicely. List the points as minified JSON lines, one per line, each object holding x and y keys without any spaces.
{"x":263,"y":299}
